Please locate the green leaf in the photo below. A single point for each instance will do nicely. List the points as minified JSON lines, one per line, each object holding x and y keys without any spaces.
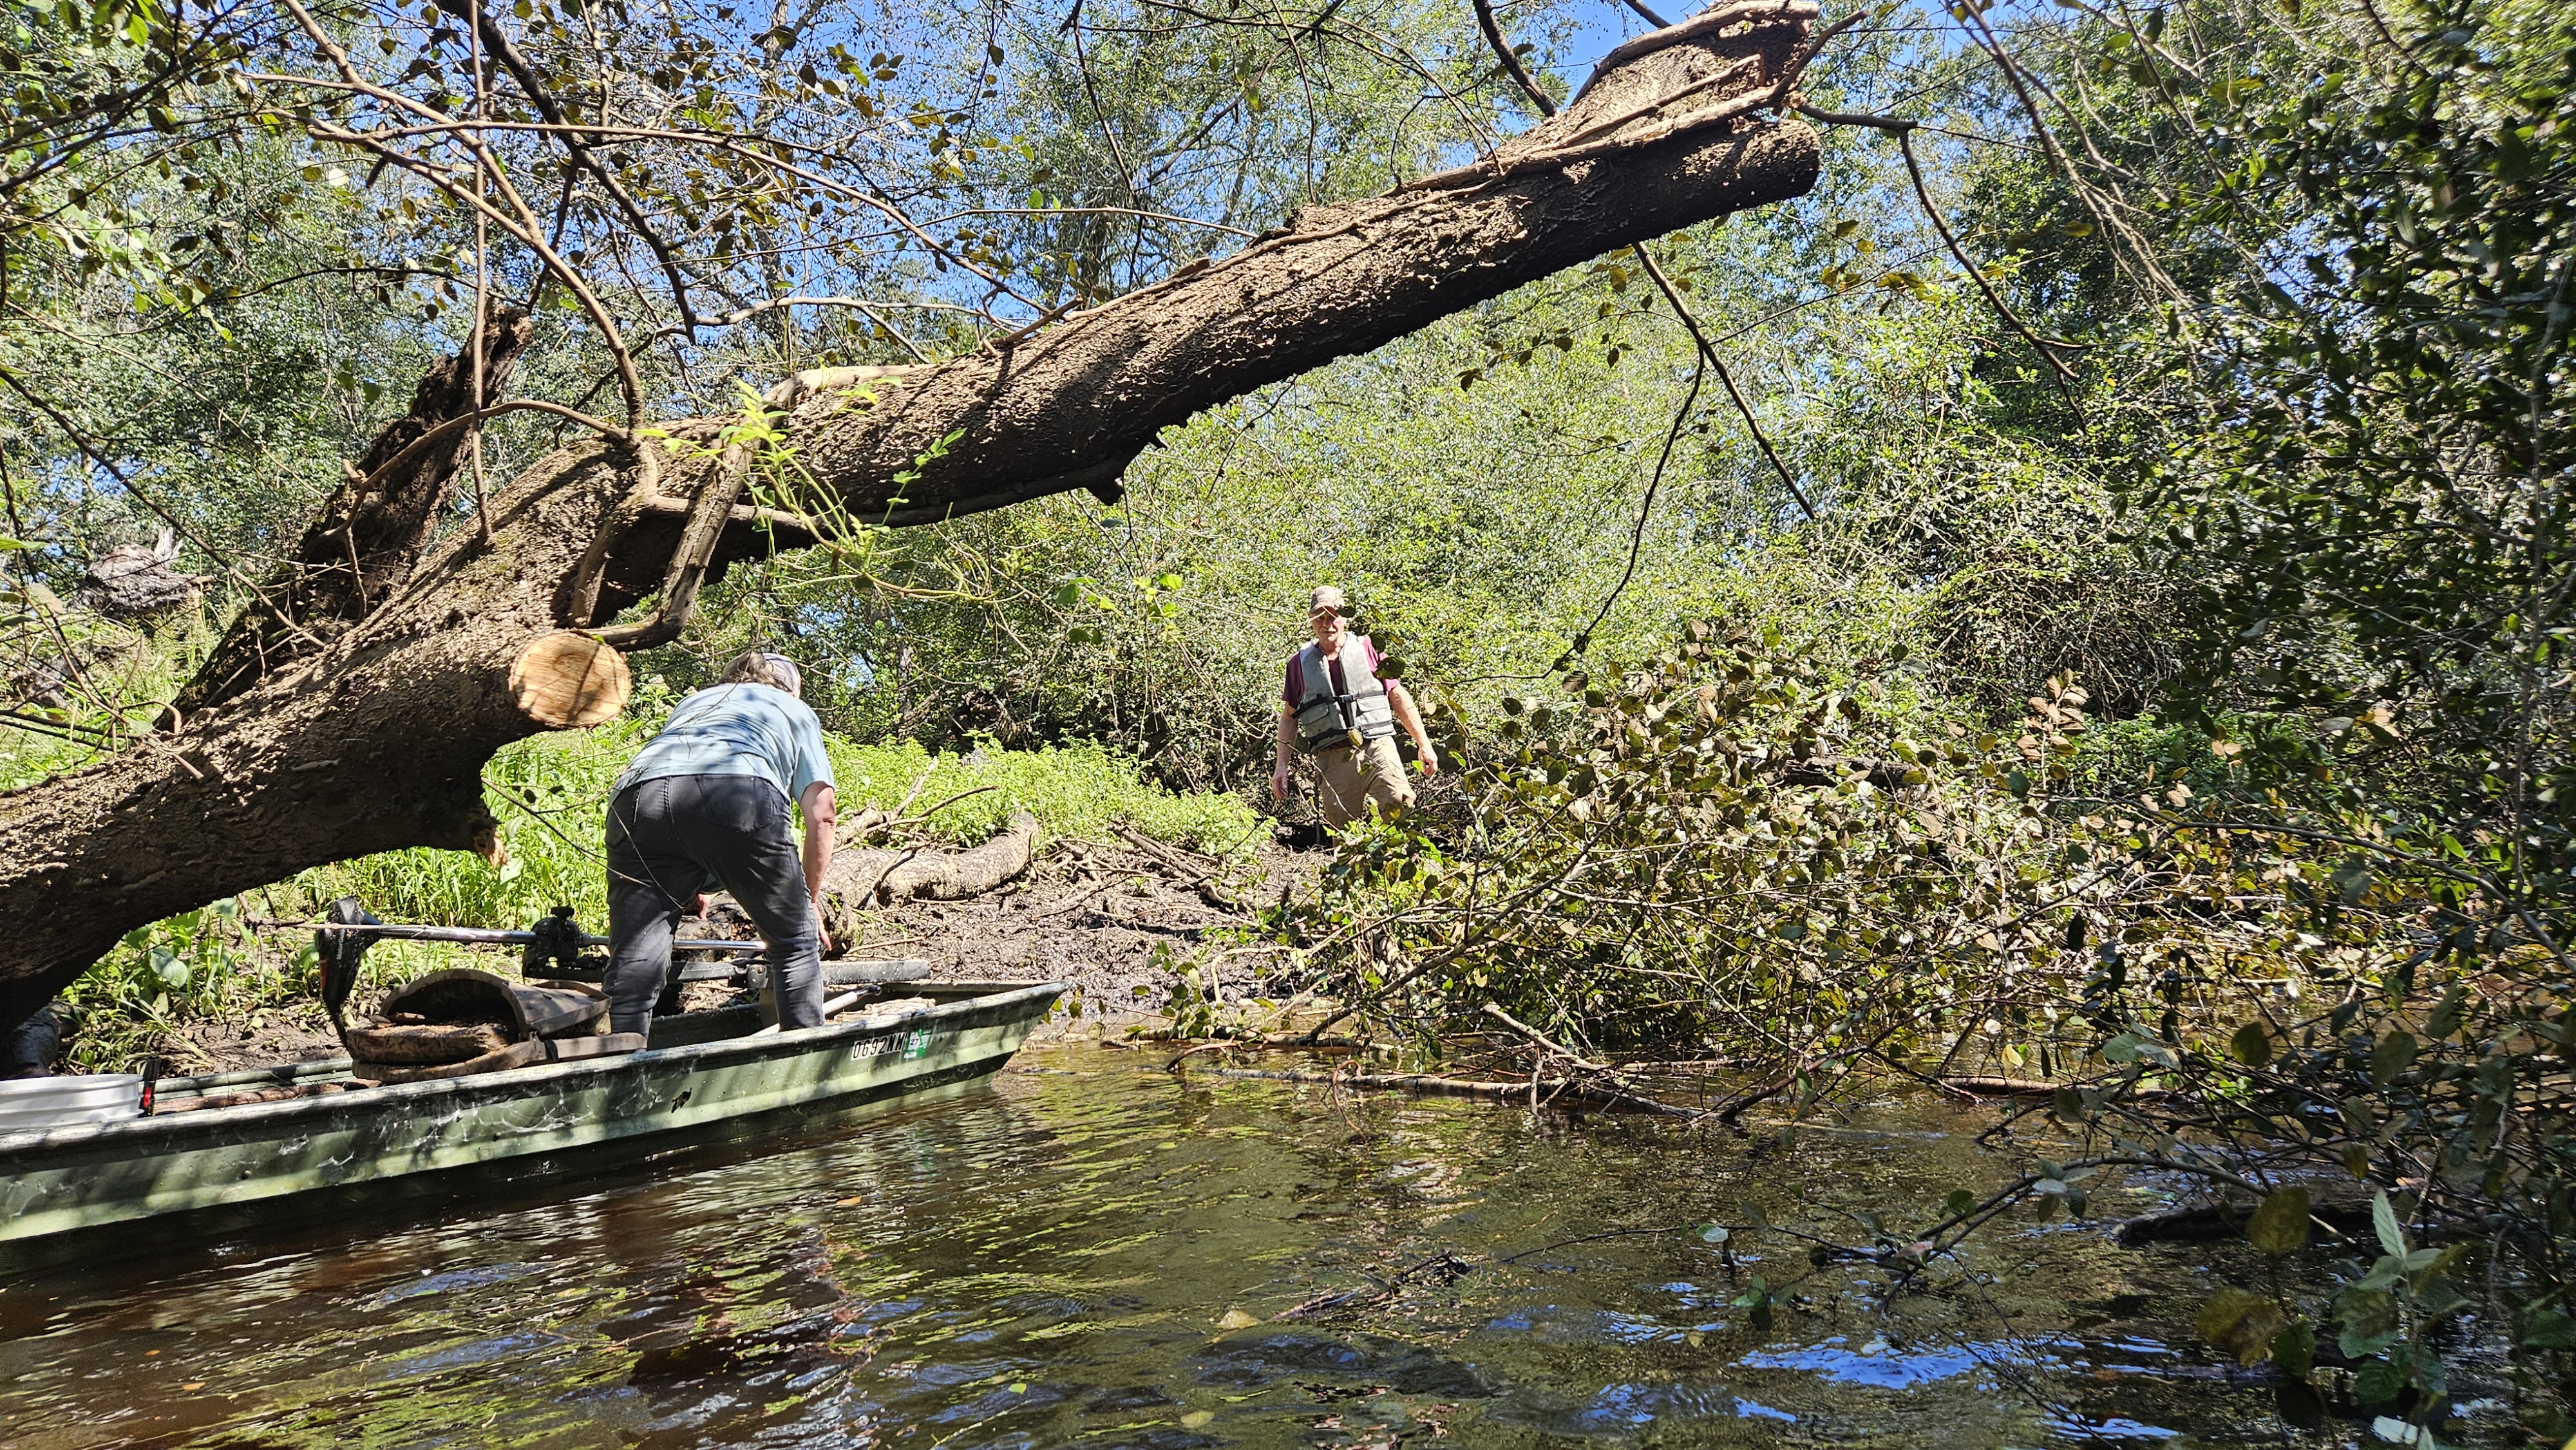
{"x":2369,"y":1320}
{"x":2445,"y":1018}
{"x":2294,"y":1349}
{"x":2280,"y":1224}
{"x":2068,"y":1103}
{"x":2376,"y":1383}
{"x":1714,"y":1233}
{"x":2391,"y":1056}
{"x":2383,"y":1220}
{"x":2550,"y":1329}
{"x":2240,"y":1322}
{"x":2252,"y":1044}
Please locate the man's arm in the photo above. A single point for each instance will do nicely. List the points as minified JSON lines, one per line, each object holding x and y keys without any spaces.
{"x":1279,"y":776}
{"x":819,"y":805}
{"x":1411,"y":719}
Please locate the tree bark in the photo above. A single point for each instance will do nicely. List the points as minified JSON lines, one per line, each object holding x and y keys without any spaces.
{"x":376,"y":740}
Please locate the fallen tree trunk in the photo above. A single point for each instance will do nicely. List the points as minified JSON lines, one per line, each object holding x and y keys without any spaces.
{"x":376,"y":738}
{"x":868,"y":877}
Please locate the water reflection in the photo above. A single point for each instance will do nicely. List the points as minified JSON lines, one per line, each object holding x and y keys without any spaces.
{"x":1083,"y":1253}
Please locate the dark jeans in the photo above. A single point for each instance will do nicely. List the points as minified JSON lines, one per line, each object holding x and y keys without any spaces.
{"x":668,"y":840}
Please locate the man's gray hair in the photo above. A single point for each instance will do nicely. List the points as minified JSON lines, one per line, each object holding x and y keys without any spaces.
{"x":753,"y":667}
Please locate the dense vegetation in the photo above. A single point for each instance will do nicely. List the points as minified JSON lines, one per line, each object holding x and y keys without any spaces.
{"x":2141,"y":667}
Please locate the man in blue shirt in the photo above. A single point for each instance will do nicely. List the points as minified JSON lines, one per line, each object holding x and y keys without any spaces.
{"x":706,"y":802}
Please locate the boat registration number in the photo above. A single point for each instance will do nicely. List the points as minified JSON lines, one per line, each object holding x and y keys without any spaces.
{"x":911,"y":1045}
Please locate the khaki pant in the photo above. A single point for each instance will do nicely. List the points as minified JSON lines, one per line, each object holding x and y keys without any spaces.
{"x":1353,"y":779}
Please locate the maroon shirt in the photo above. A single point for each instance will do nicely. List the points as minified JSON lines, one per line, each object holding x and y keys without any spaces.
{"x":1295,"y":694}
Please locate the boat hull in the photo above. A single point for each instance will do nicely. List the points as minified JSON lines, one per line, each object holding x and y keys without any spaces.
{"x":82,"y":1177}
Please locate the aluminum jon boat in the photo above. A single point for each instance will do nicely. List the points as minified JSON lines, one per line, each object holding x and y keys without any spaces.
{"x":703,"y":1074}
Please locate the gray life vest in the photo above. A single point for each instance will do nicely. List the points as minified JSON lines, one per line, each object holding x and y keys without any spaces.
{"x":1326,"y":719}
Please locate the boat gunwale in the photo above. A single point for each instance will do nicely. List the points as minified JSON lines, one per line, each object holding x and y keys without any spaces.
{"x":500,"y":1085}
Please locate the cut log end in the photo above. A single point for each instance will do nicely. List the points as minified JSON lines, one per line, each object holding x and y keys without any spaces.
{"x":569,"y":681}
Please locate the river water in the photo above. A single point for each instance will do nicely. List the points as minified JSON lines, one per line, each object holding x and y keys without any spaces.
{"x":1085,"y":1251}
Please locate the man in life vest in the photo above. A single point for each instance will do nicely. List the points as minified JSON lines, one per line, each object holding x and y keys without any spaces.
{"x":707,"y":803}
{"x":1337,"y":710}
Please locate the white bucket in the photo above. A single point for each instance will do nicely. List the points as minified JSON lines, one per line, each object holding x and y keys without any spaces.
{"x":36,"y":1103}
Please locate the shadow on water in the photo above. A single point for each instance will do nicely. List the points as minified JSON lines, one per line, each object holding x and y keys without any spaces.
{"x":1083,"y":1253}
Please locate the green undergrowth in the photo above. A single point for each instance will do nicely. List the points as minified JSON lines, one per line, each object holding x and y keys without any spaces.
{"x":550,"y":793}
{"x":1080,"y":790}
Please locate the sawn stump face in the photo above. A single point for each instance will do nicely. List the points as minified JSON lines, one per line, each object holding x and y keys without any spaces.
{"x":569,"y":681}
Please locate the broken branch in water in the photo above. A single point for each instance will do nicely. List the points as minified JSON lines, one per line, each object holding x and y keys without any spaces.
{"x":1446,"y":1267}
{"x":1534,"y":1035}
{"x":1554,"y":1089}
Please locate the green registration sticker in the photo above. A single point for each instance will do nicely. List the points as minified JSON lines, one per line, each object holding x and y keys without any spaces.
{"x":917,"y":1045}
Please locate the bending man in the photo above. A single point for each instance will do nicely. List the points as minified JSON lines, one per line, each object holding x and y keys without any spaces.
{"x":706,"y":802}
{"x":1336,"y":709}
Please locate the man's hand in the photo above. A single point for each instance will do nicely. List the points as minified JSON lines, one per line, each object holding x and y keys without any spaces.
{"x":822,"y":933}
{"x":1429,"y":757}
{"x":1280,"y":783}
{"x":698,"y":905}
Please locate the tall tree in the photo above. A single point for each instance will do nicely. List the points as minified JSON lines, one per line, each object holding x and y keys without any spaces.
{"x":368,"y":731}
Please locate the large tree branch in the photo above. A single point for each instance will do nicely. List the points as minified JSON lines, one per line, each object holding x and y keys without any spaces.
{"x":378,"y":740}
